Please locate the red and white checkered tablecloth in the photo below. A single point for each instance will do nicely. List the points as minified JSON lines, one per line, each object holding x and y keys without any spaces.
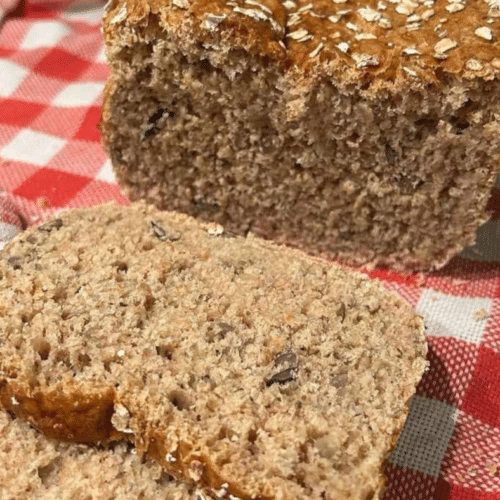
{"x":52,"y":71}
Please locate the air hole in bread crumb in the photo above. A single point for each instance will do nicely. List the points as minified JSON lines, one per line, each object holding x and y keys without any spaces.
{"x":62,"y":356}
{"x":26,"y":318}
{"x":428,"y":123}
{"x":180,"y":400}
{"x":44,"y":472}
{"x":148,"y":245}
{"x":222,"y":460}
{"x":370,"y":495}
{"x":84,"y":359}
{"x":121,"y":266}
{"x":42,"y":347}
{"x":303,"y":457}
{"x":224,"y":432}
{"x":77,"y":267}
{"x":15,"y":261}
{"x":59,"y":294}
{"x":165,"y":351}
{"x":252,"y":435}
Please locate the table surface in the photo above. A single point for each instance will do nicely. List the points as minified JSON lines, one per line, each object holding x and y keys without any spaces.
{"x":52,"y":72}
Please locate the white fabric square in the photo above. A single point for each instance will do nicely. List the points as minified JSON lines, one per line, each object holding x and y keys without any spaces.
{"x":106,"y":173}
{"x":459,"y":317}
{"x":7,"y":232}
{"x":12,"y":76}
{"x":90,"y":12}
{"x":32,"y":147}
{"x":426,"y":435}
{"x":44,"y":34}
{"x":78,"y":95}
{"x":101,"y":57}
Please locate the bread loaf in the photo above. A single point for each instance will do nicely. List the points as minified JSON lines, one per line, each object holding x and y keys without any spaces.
{"x":363,"y":130}
{"x":237,"y":364}
{"x":35,"y":468}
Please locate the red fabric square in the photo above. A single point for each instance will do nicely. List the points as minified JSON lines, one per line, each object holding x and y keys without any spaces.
{"x":19,"y":113}
{"x":5,"y":53}
{"x":473,"y":455}
{"x":407,"y":484}
{"x":391,"y":276}
{"x":14,"y":173}
{"x":460,"y":493}
{"x":61,"y":64}
{"x":97,"y":192}
{"x":450,"y":371}
{"x":482,"y":398}
{"x":53,"y":188}
{"x":466,"y":278}
{"x":42,"y":10}
{"x":61,"y":122}
{"x":88,"y":130}
{"x":491,"y":337}
{"x":443,"y":490}
{"x":83,"y":157}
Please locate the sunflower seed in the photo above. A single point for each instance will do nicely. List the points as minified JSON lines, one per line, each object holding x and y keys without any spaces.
{"x":282,"y":377}
{"x":50,"y":226}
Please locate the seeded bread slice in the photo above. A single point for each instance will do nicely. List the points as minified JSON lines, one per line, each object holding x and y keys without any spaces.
{"x":236,"y":363}
{"x":36,"y":468}
{"x":366,"y":130}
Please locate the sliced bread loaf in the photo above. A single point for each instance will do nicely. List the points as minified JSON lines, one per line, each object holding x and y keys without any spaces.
{"x":236,"y":363}
{"x":36,"y":468}
{"x":362,"y":129}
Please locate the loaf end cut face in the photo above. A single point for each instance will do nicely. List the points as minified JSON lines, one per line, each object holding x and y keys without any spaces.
{"x":239,"y":365}
{"x":367,"y":130}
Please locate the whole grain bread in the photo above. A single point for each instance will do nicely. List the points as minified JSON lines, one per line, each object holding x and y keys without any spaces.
{"x":240,"y":365}
{"x":36,"y":468}
{"x":366,"y":130}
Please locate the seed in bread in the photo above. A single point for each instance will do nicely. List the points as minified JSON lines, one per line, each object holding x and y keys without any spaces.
{"x":235,"y":363}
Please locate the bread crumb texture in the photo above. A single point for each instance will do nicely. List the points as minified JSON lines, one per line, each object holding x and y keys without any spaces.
{"x":237,"y":364}
{"x":363,"y":130}
{"x":36,"y":468}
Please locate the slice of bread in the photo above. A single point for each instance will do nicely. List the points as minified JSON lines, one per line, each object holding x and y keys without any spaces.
{"x":36,"y":468}
{"x":238,"y":364}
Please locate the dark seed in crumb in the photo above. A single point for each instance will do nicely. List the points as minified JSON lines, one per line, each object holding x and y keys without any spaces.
{"x":341,"y":312}
{"x":225,"y":327}
{"x":162,"y":235}
{"x":390,"y":154}
{"x":282,"y":377}
{"x":203,"y":206}
{"x":15,"y":261}
{"x":50,"y":226}
{"x":154,"y":122}
{"x":286,"y":357}
{"x":228,"y":234}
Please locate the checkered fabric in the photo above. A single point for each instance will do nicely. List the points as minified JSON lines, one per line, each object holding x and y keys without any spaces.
{"x":52,"y":71}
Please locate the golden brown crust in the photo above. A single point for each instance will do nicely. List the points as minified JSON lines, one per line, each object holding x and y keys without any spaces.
{"x":60,"y":413}
{"x":387,"y":44}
